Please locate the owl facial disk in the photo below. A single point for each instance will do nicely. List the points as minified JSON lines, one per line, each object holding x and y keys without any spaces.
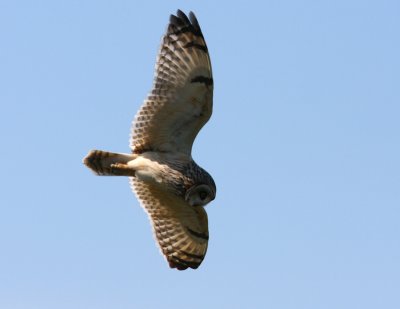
{"x":199,"y":195}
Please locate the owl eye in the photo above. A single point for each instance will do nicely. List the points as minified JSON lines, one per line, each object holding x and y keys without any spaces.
{"x":203,"y":195}
{"x":199,"y":195}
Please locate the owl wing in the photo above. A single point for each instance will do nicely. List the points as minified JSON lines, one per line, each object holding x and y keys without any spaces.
{"x":180,"y":231}
{"x":180,"y":102}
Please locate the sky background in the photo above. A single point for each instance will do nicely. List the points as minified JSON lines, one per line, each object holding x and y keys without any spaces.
{"x":303,"y":144}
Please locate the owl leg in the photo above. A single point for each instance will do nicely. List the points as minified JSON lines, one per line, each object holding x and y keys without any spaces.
{"x":109,"y":164}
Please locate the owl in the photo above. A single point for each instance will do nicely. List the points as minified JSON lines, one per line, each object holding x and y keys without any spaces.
{"x":170,"y":186}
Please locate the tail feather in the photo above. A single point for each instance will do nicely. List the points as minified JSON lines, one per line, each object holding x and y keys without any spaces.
{"x":106,"y":163}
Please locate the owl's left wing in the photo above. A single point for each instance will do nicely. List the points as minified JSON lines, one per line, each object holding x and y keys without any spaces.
{"x":180,"y":102}
{"x":181,"y":231}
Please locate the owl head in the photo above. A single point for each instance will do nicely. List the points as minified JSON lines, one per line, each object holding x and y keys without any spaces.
{"x":200,"y":195}
{"x":203,"y":189}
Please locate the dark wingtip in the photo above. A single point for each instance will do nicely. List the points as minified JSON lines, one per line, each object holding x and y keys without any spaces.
{"x":194,"y":20}
{"x":183,"y":16}
{"x":181,"y":20}
{"x":177,"y":266}
{"x":180,"y":264}
{"x":176,"y":21}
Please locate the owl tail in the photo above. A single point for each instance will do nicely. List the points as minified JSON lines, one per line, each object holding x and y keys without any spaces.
{"x":106,"y":163}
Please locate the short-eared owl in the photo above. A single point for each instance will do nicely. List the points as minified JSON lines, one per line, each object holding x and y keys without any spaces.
{"x":171,"y":187}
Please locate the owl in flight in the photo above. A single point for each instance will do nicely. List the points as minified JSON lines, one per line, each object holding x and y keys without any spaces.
{"x":170,"y":186}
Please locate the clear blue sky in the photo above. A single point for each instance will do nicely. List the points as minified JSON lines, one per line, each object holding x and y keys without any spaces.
{"x":304,"y":145}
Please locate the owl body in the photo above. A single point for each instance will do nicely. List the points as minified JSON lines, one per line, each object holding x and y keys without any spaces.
{"x":170,"y":186}
{"x":174,"y":172}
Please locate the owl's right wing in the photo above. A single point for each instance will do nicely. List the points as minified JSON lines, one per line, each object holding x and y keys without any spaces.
{"x":180,"y":102}
{"x":181,"y":231}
